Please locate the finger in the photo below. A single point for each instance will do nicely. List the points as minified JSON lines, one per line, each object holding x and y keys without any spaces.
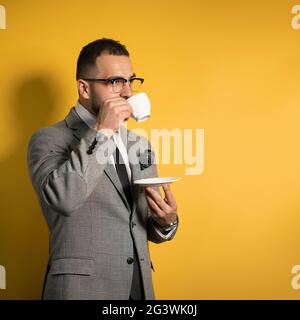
{"x":117,"y":101}
{"x":169,"y":195}
{"x":111,"y":99}
{"x":116,"y":104}
{"x":124,"y":113}
{"x":147,"y":188}
{"x":155,"y":196}
{"x":122,"y":108}
{"x":155,"y":209}
{"x":151,"y":190}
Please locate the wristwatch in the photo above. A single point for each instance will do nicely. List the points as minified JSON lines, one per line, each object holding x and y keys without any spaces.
{"x":170,"y":226}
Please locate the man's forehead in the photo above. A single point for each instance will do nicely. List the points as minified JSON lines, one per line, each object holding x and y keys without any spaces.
{"x":110,"y":65}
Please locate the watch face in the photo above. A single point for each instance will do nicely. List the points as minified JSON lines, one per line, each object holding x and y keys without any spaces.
{"x":171,"y":226}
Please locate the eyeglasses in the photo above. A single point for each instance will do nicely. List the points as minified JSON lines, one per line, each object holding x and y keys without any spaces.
{"x":118,"y":83}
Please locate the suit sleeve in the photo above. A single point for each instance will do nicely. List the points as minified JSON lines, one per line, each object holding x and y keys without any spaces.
{"x":63,"y":178}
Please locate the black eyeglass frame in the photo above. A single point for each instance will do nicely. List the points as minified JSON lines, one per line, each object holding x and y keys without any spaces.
{"x":112,"y":80}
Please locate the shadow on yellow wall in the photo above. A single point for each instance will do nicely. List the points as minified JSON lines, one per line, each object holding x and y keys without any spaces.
{"x":23,"y":240}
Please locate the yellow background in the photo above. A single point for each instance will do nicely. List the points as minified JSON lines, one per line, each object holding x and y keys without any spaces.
{"x":230,"y":67}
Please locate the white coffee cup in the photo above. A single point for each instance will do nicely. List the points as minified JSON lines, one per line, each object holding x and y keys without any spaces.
{"x":141,"y":106}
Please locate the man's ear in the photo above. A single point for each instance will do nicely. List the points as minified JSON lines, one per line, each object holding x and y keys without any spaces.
{"x":83,"y":89}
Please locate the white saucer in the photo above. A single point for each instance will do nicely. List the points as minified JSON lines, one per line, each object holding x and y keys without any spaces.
{"x":155,"y":181}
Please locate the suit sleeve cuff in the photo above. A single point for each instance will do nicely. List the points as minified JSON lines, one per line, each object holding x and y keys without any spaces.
{"x":163,"y":235}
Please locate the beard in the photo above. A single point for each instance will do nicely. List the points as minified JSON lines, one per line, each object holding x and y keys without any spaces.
{"x":95,"y":104}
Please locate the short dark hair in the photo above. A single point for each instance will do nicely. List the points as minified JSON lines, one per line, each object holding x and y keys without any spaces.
{"x":89,"y":53}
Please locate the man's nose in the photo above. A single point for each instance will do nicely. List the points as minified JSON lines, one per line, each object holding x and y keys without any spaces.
{"x":126,"y":91}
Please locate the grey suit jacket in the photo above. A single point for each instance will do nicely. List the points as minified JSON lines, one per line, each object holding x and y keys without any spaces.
{"x":91,"y":225}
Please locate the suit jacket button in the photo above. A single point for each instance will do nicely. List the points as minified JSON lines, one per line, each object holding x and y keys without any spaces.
{"x":129,"y":260}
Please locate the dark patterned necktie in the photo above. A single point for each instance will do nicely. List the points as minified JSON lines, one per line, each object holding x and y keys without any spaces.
{"x":123,"y":176}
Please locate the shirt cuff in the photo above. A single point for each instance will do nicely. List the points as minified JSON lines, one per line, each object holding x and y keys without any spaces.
{"x":165,"y":236}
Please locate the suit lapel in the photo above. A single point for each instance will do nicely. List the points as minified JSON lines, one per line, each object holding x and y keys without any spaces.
{"x":82,"y":130}
{"x":111,"y":172}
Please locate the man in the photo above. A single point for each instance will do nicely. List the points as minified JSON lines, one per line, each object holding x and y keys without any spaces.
{"x":82,"y":169}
